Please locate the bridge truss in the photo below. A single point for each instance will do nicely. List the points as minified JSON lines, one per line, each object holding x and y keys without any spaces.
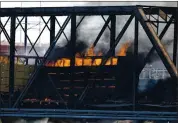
{"x":141,"y":14}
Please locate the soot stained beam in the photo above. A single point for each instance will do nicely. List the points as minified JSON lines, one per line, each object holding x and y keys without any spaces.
{"x":12,"y":54}
{"x":52,"y":29}
{"x":113,"y":33}
{"x":152,"y":49}
{"x":157,"y":43}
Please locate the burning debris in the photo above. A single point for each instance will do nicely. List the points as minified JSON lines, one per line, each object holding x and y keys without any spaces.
{"x":83,"y":57}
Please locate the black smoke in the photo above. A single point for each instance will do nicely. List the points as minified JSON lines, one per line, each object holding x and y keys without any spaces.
{"x":162,"y":90}
{"x":65,"y":51}
{"x":156,"y":92}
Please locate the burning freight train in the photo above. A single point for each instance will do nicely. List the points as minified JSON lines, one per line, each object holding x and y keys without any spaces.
{"x":114,"y":83}
{"x":88,"y":58}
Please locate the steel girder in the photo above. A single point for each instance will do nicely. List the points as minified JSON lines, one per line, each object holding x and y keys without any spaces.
{"x":32,"y":78}
{"x":75,"y":11}
{"x":90,"y":114}
{"x":101,"y":10}
{"x":156,"y":43}
{"x":12,"y":64}
{"x":109,"y":9}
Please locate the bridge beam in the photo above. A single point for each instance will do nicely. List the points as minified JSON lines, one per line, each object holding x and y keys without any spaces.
{"x":12,"y":54}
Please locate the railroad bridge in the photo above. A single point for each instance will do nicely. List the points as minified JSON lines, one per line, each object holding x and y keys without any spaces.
{"x":90,"y":86}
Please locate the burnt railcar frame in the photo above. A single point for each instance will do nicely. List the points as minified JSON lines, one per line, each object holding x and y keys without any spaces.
{"x":72,"y":12}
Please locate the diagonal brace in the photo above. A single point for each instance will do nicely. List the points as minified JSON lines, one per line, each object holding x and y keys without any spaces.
{"x":27,"y":36}
{"x":5,"y":24}
{"x":57,"y":92}
{"x":156,"y":43}
{"x":5,"y":32}
{"x":102,"y":30}
{"x":105,"y":22}
{"x":152,"y":49}
{"x":80,"y":21}
{"x":33,"y":76}
{"x":108,"y":54}
{"x":33,"y":46}
{"x":63,"y":31}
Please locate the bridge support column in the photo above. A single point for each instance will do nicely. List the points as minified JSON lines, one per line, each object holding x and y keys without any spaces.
{"x":12,"y":54}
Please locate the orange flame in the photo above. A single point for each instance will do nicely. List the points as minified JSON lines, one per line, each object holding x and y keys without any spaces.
{"x":5,"y":60}
{"x":90,"y":59}
{"x":123,"y":50}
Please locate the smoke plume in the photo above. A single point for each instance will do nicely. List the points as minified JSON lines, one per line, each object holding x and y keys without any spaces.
{"x":156,"y":91}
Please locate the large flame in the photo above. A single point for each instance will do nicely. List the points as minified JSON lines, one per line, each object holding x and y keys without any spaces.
{"x":90,"y":58}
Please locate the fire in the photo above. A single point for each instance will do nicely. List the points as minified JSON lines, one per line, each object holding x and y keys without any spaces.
{"x":5,"y":60}
{"x":123,"y":50}
{"x":91,"y":58}
{"x":90,"y":52}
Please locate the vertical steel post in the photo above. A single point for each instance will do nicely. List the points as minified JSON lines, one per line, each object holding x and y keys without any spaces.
{"x":73,"y":39}
{"x":175,"y":38}
{"x":1,"y":29}
{"x":113,"y":33}
{"x":52,"y":29}
{"x":25,"y":36}
{"x":72,"y":46}
{"x":135,"y":72}
{"x":0,"y":70}
{"x":12,"y":54}
{"x":175,"y":46}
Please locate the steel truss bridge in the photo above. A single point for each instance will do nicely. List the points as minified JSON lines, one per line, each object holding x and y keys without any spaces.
{"x":145,"y":15}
